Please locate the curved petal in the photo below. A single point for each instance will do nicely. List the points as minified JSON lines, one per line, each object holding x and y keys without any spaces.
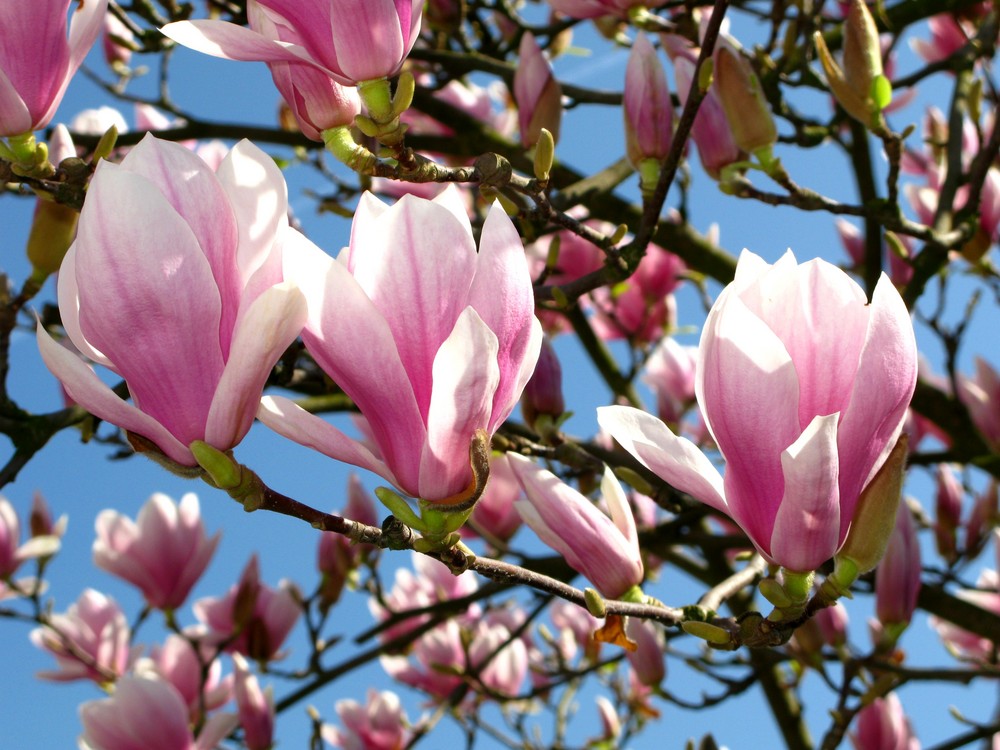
{"x":465,"y":378}
{"x":674,"y":459}
{"x":290,"y":420}
{"x":884,"y":383}
{"x":807,"y":526}
{"x":502,"y":410}
{"x":501,"y":293}
{"x":85,"y":25}
{"x":416,"y":265}
{"x":233,"y":42}
{"x":191,"y":187}
{"x":87,"y":390}
{"x":259,"y":197}
{"x":35,"y":55}
{"x":154,"y":313}
{"x":69,"y":308}
{"x":270,"y":324}
{"x":765,"y":392}
{"x":369,"y":37}
{"x":351,"y":341}
{"x":15,"y":118}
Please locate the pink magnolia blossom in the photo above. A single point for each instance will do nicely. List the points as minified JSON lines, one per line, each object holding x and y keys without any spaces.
{"x":670,"y":372}
{"x":90,"y":641}
{"x":710,"y":132}
{"x":832,"y":622}
{"x":163,"y":552}
{"x":146,"y":713}
{"x":177,"y":662}
{"x":981,"y":395}
{"x":947,"y":511}
{"x":428,"y":583}
{"x":897,"y":578}
{"x":255,"y":707}
{"x":649,"y":113}
{"x":537,"y":93}
{"x":195,"y":322}
{"x":251,"y":618}
{"x":115,"y":42}
{"x":882,"y":725}
{"x":450,"y":332}
{"x":648,"y":660}
{"x":435,"y":661}
{"x":350,"y":41}
{"x":543,"y":393}
{"x":337,"y":557}
{"x":37,"y":60}
{"x":605,"y":550}
{"x":575,"y":628}
{"x":948,"y":35}
{"x":12,"y":552}
{"x":497,"y":660}
{"x":804,"y":386}
{"x":380,"y":724}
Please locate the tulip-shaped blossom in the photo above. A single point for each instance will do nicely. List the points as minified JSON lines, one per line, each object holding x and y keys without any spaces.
{"x":163,"y":552}
{"x":804,"y":386}
{"x":605,"y":550}
{"x":90,"y":641}
{"x":255,"y":707}
{"x":537,"y":93}
{"x":12,"y":552}
{"x":148,"y":714}
{"x":380,"y":724}
{"x":897,"y":578}
{"x":670,"y":372}
{"x":349,"y":40}
{"x":433,"y":341}
{"x":495,"y":516}
{"x":37,"y":60}
{"x":981,"y":395}
{"x":649,"y":113}
{"x":177,"y":662}
{"x":882,"y":725}
{"x":252,"y":618}
{"x":194,"y":322}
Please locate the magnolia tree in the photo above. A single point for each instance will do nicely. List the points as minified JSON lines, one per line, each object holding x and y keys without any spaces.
{"x":523,"y":572}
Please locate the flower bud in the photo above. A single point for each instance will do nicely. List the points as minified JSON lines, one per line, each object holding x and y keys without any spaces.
{"x":647,"y":107}
{"x":543,"y":392}
{"x":873,"y":520}
{"x":897,"y":579}
{"x":747,"y":112}
{"x":860,"y":88}
{"x":948,"y":512}
{"x":537,"y":93}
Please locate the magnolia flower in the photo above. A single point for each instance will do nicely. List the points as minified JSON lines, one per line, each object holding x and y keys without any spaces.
{"x":194,"y":322}
{"x":252,"y":618}
{"x":605,"y":550}
{"x":450,"y":332}
{"x":804,"y":386}
{"x":882,"y":725}
{"x":12,"y":552}
{"x":149,"y":713}
{"x":163,"y":552}
{"x":349,"y":40}
{"x":537,"y":93}
{"x":649,"y":113}
{"x":177,"y":662}
{"x":255,"y":707}
{"x":90,"y":641}
{"x":37,"y":60}
{"x":381,"y":723}
{"x":897,"y":578}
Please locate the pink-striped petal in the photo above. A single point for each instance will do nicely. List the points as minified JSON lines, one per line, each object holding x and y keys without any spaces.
{"x":465,"y":377}
{"x":807,"y":526}
{"x":271,"y":323}
{"x":674,"y":459}
{"x":86,"y":389}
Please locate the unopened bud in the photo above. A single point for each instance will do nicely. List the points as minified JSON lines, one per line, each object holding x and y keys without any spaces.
{"x":543,"y":391}
{"x":52,"y":230}
{"x":875,"y":515}
{"x":748,"y":114}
